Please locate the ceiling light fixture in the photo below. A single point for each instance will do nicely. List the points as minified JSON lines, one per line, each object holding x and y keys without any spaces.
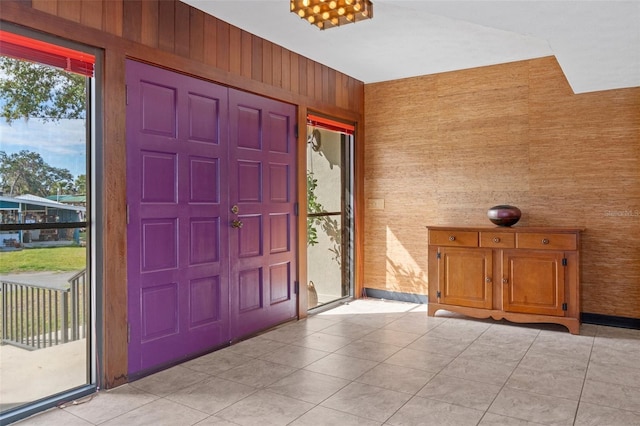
{"x":332,"y":13}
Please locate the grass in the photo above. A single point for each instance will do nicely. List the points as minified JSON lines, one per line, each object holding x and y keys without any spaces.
{"x":43,"y":259}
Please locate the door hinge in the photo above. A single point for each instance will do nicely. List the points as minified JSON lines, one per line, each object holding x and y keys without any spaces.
{"x":295,"y":131}
{"x":564,"y":261}
{"x":126,"y":94}
{"x":127,"y":214}
{"x":128,"y":332}
{"x":438,"y":294}
{"x":564,"y":307}
{"x":296,"y":287}
{"x":438,"y":256}
{"x":296,"y":209}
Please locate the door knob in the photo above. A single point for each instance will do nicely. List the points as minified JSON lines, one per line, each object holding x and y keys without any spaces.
{"x":235,"y":223}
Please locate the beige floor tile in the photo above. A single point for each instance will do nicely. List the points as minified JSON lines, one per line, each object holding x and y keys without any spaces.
{"x":265,"y":408}
{"x":438,"y":345}
{"x":367,"y":401}
{"x":323,"y":342}
{"x":457,"y":332}
{"x":212,"y":395}
{"x":322,"y":416}
{"x":462,"y":392}
{"x":421,"y":411}
{"x":479,"y":371}
{"x":217,"y":362}
{"x":612,"y":395}
{"x":396,"y":378}
{"x":294,"y":356}
{"x":618,"y":333}
{"x":510,"y":355}
{"x":563,"y":344}
{"x":346,"y":329}
{"x":490,"y":419}
{"x":169,"y":381}
{"x":391,"y":337}
{"x":576,"y":368}
{"x":54,"y":416}
{"x":616,"y":355}
{"x":308,"y":386}
{"x":546,"y":383}
{"x":215,"y":421}
{"x":345,"y":367}
{"x":107,"y":404}
{"x":319,"y":322}
{"x":372,"y":351}
{"x":374,"y":321}
{"x":160,"y":412}
{"x":534,"y":407}
{"x":411,"y":325}
{"x":420,"y":360}
{"x":619,"y":375}
{"x":443,"y":370}
{"x":258,"y":373}
{"x":289,"y":332}
{"x":508,"y":336}
{"x":597,"y":415}
{"x":255,"y":347}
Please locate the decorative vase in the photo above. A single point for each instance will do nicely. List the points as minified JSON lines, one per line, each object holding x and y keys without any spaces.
{"x":313,"y":295}
{"x":504,"y":215}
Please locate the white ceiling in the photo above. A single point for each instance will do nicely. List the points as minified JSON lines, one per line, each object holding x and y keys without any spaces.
{"x":597,"y":43}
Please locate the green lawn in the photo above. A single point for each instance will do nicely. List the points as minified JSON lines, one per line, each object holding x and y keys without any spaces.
{"x":43,"y":259}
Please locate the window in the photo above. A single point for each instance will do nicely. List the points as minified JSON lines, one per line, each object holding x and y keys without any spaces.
{"x":47,"y":129}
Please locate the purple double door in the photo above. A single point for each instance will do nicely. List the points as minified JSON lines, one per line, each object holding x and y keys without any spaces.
{"x":211,"y":228}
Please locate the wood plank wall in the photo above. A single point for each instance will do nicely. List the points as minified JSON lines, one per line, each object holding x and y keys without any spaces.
{"x":442,"y":149}
{"x":171,"y":34}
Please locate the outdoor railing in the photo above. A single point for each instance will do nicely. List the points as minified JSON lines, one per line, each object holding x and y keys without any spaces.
{"x":35,"y":317}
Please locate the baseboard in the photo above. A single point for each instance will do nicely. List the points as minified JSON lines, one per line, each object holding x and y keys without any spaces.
{"x":394,"y":295}
{"x":610,"y":320}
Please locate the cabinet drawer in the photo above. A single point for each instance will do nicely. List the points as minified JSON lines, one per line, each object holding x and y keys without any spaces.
{"x":497,"y":239}
{"x":546,"y":241}
{"x":453,"y":238}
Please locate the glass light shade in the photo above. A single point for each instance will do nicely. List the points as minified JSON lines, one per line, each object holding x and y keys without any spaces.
{"x":332,"y":13}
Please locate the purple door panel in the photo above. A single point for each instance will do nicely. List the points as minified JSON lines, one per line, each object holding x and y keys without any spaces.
{"x":262,"y":186}
{"x":178,"y":265}
{"x":211,"y":232}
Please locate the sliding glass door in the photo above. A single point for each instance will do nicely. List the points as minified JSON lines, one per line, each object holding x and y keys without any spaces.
{"x":329,"y":210}
{"x":46,"y":94}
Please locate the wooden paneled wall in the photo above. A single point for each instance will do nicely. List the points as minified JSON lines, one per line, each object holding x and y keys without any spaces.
{"x":171,"y":34}
{"x":442,"y":149}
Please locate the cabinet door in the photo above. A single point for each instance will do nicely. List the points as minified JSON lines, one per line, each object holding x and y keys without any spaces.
{"x":533,"y":282}
{"x":465,"y":277}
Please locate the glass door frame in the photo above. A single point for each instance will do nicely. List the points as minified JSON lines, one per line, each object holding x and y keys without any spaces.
{"x":92,"y":223}
{"x":347,"y":198}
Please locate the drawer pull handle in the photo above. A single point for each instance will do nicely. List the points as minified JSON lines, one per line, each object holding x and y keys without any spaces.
{"x":496,"y":240}
{"x":545,"y":241}
{"x":505,"y":281}
{"x":488,"y":279}
{"x":452,"y":238}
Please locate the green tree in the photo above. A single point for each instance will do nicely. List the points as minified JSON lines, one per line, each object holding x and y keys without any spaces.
{"x":80,"y":185}
{"x":30,"y":90}
{"x":26,"y":172}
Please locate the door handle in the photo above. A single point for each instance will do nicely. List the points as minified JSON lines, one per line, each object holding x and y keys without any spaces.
{"x":235,"y":209}
{"x":235,"y":223}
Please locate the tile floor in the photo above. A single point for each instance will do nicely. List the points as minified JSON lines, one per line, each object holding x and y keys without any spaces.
{"x":373,"y":362}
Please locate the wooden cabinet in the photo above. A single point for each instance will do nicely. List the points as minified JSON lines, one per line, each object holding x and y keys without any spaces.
{"x":519,"y":274}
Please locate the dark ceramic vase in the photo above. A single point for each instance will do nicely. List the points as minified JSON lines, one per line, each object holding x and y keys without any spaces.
{"x":504,"y":215}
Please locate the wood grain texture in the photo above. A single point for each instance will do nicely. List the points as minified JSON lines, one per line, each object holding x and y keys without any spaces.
{"x":161,"y":32}
{"x":443,"y":149}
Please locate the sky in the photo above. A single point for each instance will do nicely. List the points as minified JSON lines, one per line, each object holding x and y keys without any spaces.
{"x":61,"y":144}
